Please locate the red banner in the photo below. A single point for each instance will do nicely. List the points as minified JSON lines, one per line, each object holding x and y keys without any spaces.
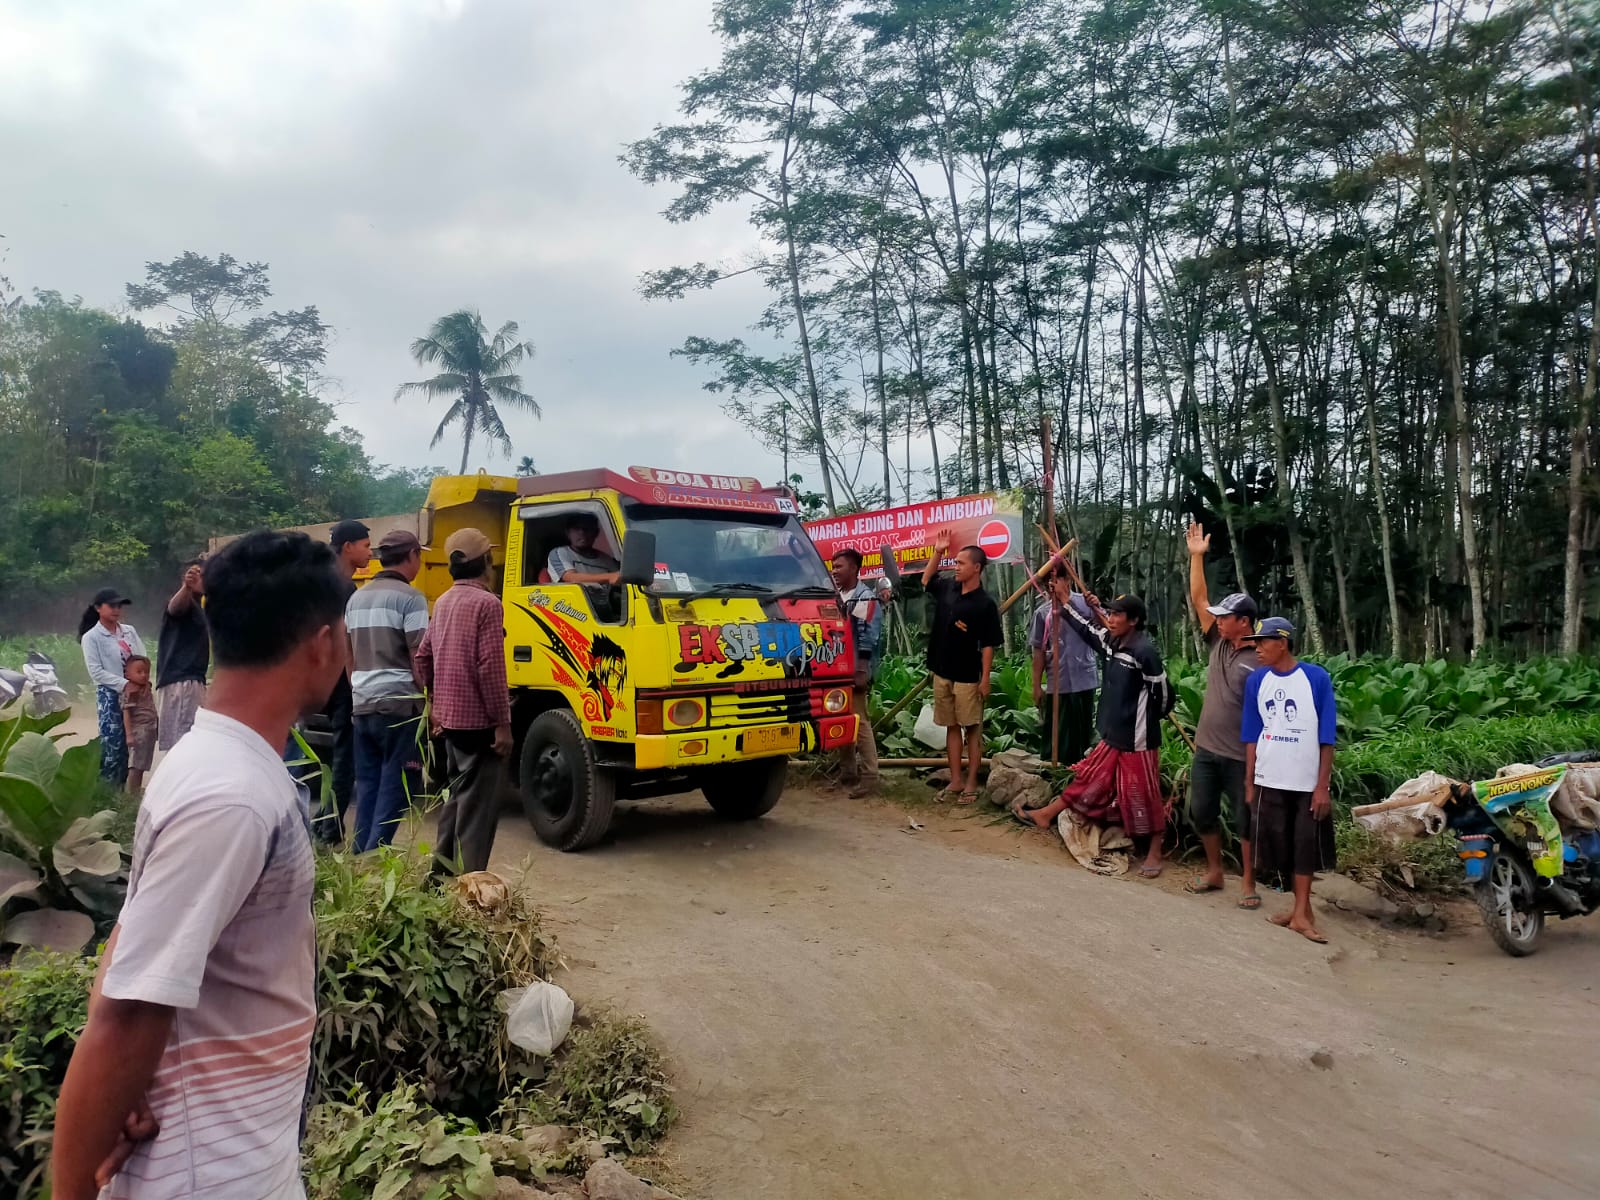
{"x":991,"y":522}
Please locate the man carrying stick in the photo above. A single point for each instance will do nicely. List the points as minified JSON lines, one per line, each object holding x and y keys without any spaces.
{"x":1218,"y":768}
{"x":1066,"y":703}
{"x":961,"y":645}
{"x":1120,"y":780}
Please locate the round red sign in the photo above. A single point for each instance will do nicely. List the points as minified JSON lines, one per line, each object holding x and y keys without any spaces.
{"x":994,"y":539}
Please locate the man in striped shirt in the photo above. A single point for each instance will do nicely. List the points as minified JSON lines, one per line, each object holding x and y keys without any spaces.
{"x":189,"y":1078}
{"x":386,"y":619}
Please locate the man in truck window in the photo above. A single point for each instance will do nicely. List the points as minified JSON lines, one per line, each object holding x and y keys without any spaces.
{"x":578,"y":561}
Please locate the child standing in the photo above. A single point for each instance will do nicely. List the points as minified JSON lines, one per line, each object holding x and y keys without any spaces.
{"x":140,"y":722}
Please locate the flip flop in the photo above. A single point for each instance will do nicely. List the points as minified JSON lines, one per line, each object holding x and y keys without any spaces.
{"x":950,"y":795}
{"x":1250,"y":902}
{"x":1199,"y":886}
{"x":968,"y":798}
{"x":1149,"y":872}
{"x":1021,"y":817}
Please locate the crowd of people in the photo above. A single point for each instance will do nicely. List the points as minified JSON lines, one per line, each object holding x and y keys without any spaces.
{"x":1264,"y":741}
{"x":371,"y":715}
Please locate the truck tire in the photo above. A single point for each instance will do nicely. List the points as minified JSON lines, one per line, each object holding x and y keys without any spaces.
{"x":567,"y":797}
{"x":747,"y":790}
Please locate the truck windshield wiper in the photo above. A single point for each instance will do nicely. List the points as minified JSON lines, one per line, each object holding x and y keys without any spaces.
{"x":812,"y":590}
{"x":726,"y":589}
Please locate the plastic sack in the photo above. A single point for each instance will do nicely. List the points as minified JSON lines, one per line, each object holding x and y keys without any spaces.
{"x":537,"y":1017}
{"x":926,"y":732}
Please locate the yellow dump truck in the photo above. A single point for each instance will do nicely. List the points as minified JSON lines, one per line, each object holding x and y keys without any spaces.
{"x":722,"y":651}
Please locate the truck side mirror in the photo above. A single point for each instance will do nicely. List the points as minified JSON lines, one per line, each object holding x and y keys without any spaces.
{"x":638,"y":557}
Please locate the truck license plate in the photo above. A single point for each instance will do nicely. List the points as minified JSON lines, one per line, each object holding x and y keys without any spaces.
{"x":772,"y":739}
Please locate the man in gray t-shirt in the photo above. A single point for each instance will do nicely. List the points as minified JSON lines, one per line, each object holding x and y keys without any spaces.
{"x":578,"y":561}
{"x":1218,"y":767}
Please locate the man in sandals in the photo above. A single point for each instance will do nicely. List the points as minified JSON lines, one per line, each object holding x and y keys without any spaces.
{"x":1288,"y":767}
{"x":961,"y":646}
{"x":1218,"y":768}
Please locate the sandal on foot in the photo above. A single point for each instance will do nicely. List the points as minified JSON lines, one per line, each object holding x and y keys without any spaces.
{"x":1148,"y":872}
{"x":1200,"y":885}
{"x":968,"y":798}
{"x":1250,"y":903}
{"x":1021,"y":817}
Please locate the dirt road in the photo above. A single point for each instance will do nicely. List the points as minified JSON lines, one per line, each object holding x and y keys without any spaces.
{"x":853,"y":1010}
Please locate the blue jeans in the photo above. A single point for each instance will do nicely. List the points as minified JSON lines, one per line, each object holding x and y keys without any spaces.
{"x":384,"y":747}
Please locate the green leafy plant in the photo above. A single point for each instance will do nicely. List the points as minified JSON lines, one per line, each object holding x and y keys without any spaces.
{"x":44,"y":1001}
{"x":56,"y":863}
{"x":407,"y":978}
{"x":610,"y":1080}
{"x":399,"y":1146}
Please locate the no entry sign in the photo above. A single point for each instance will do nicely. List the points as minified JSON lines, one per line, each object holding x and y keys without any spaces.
{"x":994,"y":539}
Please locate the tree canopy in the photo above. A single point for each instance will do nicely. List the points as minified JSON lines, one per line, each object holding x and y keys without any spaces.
{"x":125,"y":446}
{"x":1322,"y":276}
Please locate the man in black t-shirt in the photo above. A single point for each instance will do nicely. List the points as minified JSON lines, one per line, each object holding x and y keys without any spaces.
{"x":961,"y":645}
{"x":183,"y":655}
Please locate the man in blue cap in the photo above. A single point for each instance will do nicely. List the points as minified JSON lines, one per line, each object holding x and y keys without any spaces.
{"x":1289,"y":767}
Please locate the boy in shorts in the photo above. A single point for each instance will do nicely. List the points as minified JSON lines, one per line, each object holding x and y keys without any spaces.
{"x":1288,"y":729}
{"x":961,"y":645}
{"x":140,"y":723}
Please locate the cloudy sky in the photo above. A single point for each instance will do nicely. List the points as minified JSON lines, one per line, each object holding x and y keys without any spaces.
{"x":391,"y":160}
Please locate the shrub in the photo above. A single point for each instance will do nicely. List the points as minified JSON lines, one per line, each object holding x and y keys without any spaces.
{"x":407,"y":978}
{"x":609,"y":1079}
{"x":44,"y":1001}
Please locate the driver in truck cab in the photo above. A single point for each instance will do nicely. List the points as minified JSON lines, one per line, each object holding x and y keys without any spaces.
{"x":578,"y":561}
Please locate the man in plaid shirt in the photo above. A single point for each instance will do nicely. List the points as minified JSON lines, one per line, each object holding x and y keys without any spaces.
{"x":462,"y":664}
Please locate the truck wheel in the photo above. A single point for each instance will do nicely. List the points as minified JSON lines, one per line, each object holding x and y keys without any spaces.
{"x":747,"y":790}
{"x":567,"y":797}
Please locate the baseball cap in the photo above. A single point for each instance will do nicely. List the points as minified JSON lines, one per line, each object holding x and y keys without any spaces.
{"x":109,"y":596}
{"x":1272,"y":627}
{"x":1129,"y":606}
{"x":347,"y":531}
{"x":399,"y":541}
{"x":1236,"y":604}
{"x":464,"y":545}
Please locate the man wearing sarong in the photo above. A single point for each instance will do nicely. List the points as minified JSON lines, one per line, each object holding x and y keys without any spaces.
{"x":1119,"y":781}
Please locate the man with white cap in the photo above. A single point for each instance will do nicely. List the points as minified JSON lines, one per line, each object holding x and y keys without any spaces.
{"x":462,"y":664}
{"x":1218,"y":767}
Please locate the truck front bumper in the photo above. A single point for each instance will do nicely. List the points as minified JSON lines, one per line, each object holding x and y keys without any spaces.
{"x":699,"y":748}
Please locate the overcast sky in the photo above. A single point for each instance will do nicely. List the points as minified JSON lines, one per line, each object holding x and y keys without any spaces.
{"x":391,"y":160}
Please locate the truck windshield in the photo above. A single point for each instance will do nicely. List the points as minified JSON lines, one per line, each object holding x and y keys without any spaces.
{"x":712,"y":552}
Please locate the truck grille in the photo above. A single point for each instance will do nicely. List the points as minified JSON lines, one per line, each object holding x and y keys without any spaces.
{"x":729,"y":710}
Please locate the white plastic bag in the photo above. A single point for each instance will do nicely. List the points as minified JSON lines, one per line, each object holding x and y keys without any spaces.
{"x":537,"y":1017}
{"x":926,"y":732}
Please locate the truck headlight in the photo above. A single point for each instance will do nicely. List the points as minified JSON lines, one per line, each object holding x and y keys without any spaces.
{"x":836,"y":700}
{"x":686,"y":712}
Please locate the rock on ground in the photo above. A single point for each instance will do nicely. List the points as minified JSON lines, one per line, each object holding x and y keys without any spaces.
{"x":1008,"y":787}
{"x":1343,"y":892}
{"x":609,"y":1180}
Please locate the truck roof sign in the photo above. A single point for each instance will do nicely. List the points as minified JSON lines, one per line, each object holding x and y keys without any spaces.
{"x":662,"y":485}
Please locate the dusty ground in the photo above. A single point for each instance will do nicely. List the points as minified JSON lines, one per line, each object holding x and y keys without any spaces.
{"x":856,"y":1010}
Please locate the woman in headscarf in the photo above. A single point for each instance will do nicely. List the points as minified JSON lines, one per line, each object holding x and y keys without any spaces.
{"x":107,"y":645}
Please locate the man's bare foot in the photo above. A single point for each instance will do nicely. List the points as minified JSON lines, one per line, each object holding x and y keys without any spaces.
{"x":1281,"y":920}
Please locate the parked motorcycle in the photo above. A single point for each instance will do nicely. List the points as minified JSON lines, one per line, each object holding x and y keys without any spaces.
{"x":37,"y":683}
{"x":1522,"y":867}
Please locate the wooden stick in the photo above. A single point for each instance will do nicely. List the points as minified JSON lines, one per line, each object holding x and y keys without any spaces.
{"x":913,"y":764}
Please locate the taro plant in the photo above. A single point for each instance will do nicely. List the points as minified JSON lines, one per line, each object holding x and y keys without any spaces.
{"x":58,"y":869}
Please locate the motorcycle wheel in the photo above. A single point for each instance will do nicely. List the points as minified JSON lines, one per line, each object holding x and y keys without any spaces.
{"x":1510,"y":908}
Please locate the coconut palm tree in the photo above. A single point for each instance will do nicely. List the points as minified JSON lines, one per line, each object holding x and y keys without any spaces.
{"x":525,"y":466}
{"x":479,"y":372}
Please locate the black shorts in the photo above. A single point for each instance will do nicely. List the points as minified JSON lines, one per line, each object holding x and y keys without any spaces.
{"x":1210,"y":777}
{"x":1289,"y":840}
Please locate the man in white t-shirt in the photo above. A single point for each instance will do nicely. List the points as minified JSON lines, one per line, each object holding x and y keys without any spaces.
{"x":1288,"y":728}
{"x":191,"y":1073}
